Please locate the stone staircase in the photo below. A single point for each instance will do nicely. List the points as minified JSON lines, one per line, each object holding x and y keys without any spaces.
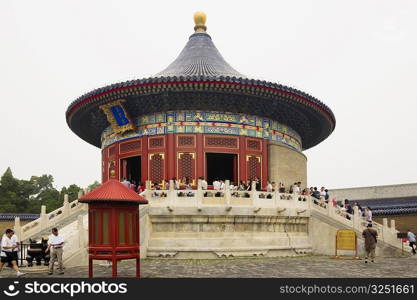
{"x":71,"y":220}
{"x":388,"y":244}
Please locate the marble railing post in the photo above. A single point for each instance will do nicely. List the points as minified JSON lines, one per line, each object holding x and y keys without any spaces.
{"x":393,"y":225}
{"x":227,"y":191}
{"x":43,"y":218}
{"x":82,"y":239}
{"x":17,"y":228}
{"x":199,"y":193}
{"x":148,"y":187}
{"x":253,"y":192}
{"x":356,"y":218}
{"x":66,"y":206}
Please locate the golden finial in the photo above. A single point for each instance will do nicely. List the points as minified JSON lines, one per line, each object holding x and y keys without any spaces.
{"x":200,"y":22}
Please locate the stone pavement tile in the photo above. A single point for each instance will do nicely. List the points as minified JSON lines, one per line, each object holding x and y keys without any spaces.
{"x":293,"y":267}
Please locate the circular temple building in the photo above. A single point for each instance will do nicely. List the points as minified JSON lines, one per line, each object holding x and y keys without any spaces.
{"x":201,"y":117}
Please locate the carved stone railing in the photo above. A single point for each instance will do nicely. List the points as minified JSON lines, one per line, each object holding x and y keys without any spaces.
{"x":286,"y":204}
{"x":47,"y":220}
{"x":387,"y":234}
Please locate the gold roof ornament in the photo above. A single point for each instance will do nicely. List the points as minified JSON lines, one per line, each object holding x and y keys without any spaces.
{"x":200,"y":19}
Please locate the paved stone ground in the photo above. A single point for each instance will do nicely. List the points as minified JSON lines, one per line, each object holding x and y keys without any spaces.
{"x":309,"y":266}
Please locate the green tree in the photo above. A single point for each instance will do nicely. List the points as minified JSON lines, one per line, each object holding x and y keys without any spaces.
{"x":94,"y":185}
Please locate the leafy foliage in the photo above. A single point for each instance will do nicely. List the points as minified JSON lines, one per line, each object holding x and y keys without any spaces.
{"x":27,"y":196}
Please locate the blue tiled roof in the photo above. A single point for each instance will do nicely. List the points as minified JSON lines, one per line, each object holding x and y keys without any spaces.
{"x":391,"y":206}
{"x":11,"y":216}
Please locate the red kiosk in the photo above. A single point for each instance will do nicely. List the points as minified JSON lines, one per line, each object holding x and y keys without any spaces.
{"x":113,"y":224}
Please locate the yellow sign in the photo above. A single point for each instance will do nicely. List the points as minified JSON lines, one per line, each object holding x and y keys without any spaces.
{"x":345,"y":240}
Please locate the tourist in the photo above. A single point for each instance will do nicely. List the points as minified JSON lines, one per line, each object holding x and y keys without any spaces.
{"x":326,"y":195}
{"x":176,"y":183}
{"x":291,"y":189}
{"x":411,"y":240}
{"x":322,"y":194}
{"x":216,"y":185}
{"x":133,"y":186}
{"x":274,"y":186}
{"x":9,"y":249}
{"x":281,"y":187}
{"x":140,"y":188}
{"x":248,"y":185}
{"x":316,"y":193}
{"x":257,"y":184}
{"x":368,"y":214}
{"x":56,"y":243}
{"x":242,"y":186}
{"x":232,"y":186}
{"x":187,"y":185}
{"x":222,"y":185}
{"x":269,"y":188}
{"x":126,"y":182}
{"x":360,"y":210}
{"x":370,"y":235}
{"x":204,"y":184}
{"x":295,"y":188}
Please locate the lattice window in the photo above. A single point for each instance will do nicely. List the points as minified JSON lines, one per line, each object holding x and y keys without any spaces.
{"x":184,"y":141}
{"x":254,"y":167}
{"x":131,"y":146}
{"x":112,"y":151}
{"x":186,"y":165}
{"x":157,"y":168}
{"x":221,"y":142}
{"x":254,"y":145}
{"x":156,"y":142}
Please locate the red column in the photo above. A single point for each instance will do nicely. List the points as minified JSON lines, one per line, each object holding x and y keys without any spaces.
{"x":242,"y":159}
{"x":200,"y":155}
{"x":170,"y":156}
{"x":264,"y":162}
{"x":144,"y":159}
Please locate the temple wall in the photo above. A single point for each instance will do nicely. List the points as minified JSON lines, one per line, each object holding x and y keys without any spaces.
{"x":214,"y":233}
{"x":375,"y":192}
{"x":286,"y":165}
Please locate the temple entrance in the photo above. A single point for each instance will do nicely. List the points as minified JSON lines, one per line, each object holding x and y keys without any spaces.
{"x":222,"y":166}
{"x":131,"y":169}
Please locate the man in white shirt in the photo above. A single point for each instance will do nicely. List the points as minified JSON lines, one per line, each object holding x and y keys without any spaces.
{"x":203,"y":184}
{"x":222,"y":185}
{"x":56,"y":242}
{"x":216,"y":185}
{"x":269,"y":187}
{"x":412,"y":240}
{"x":9,"y":248}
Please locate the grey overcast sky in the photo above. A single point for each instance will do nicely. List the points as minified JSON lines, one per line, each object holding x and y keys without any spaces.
{"x":359,"y":57}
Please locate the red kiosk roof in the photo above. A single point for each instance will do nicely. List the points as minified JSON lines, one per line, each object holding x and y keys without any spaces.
{"x":113,"y":190}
